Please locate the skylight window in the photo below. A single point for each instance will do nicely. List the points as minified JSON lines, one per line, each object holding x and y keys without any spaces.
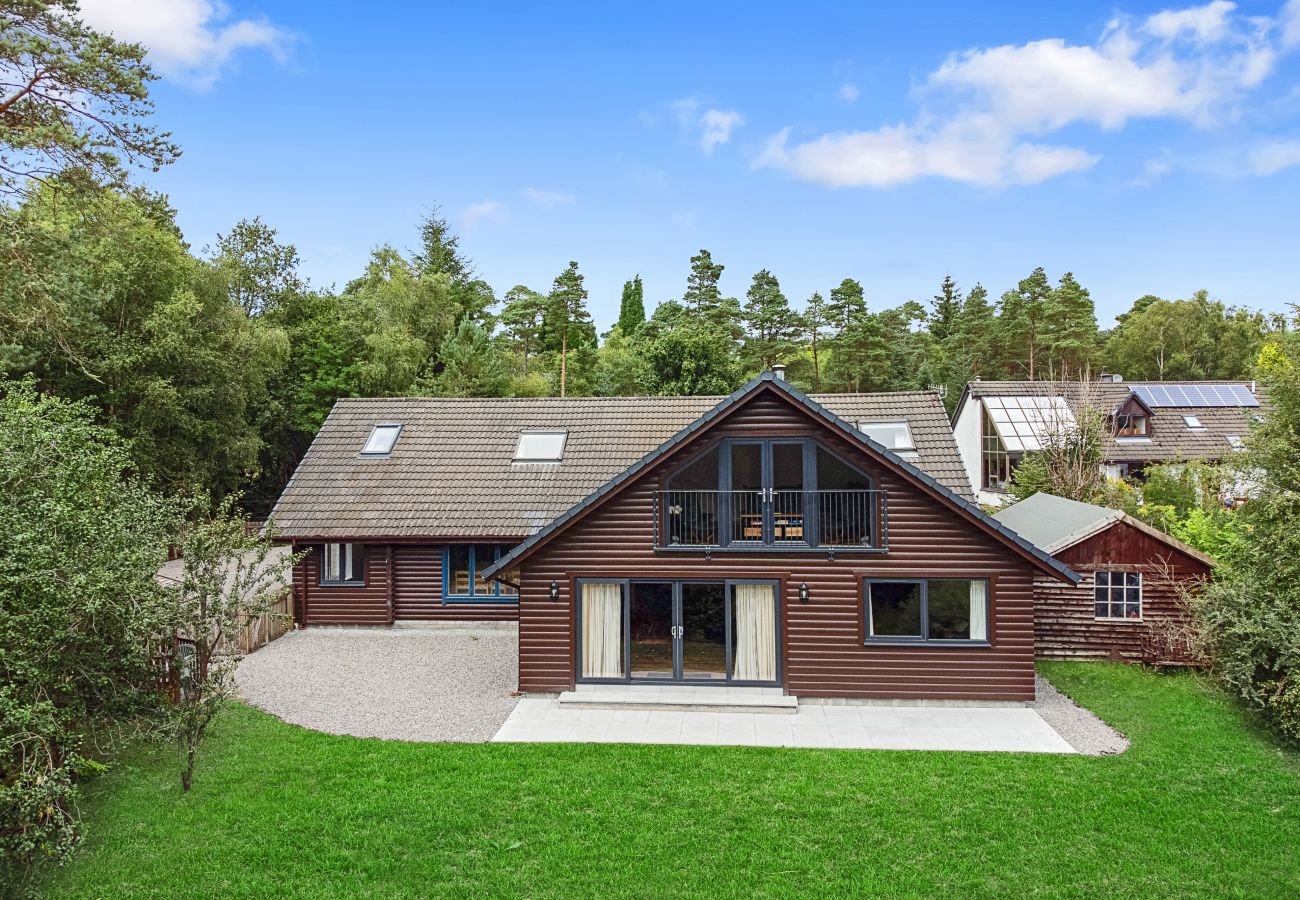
{"x":894,"y":435}
{"x":1193,"y":423}
{"x":381,"y":440}
{"x":540,"y":446}
{"x":1235,"y":441}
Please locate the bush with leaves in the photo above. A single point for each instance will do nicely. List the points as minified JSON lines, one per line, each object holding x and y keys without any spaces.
{"x":1249,"y":619}
{"x":230,"y":577}
{"x":81,"y":540}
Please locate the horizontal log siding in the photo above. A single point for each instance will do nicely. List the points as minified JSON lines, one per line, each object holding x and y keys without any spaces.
{"x":1065,"y":626}
{"x":343,"y":604}
{"x":823,"y":653}
{"x":417,"y":578}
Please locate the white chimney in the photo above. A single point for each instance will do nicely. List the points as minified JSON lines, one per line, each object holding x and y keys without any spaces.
{"x":778,"y":369}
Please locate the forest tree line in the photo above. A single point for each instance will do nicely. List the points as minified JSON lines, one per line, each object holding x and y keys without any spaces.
{"x":219,"y":365}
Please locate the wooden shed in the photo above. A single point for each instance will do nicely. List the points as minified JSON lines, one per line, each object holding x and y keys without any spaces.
{"x":1131,"y":603}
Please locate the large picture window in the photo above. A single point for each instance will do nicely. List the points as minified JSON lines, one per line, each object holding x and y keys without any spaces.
{"x":462,"y":578}
{"x":1118,"y":595}
{"x":926,"y":609}
{"x":342,"y":564}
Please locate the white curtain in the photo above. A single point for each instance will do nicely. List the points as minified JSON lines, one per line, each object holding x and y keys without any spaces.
{"x":979,"y":619}
{"x":754,"y":625}
{"x":602,"y":630}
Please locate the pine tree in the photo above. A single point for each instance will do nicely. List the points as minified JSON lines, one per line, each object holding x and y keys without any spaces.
{"x":815,"y":318}
{"x":1022,"y":315}
{"x":856,"y":333}
{"x":976,"y":332}
{"x":567,"y":317}
{"x":631,"y":312}
{"x":440,"y":254}
{"x":1071,"y":329}
{"x":472,"y":364}
{"x":947,"y":307}
{"x":521,"y":321}
{"x":704,"y":299}
{"x":771,"y":325}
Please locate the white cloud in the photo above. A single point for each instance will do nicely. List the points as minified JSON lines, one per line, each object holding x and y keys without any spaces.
{"x":1157,"y":167}
{"x":189,"y":40}
{"x":1290,"y":22}
{"x":484,"y":211}
{"x":548,"y":199}
{"x":1202,"y":23}
{"x":849,"y":92}
{"x":711,"y":126}
{"x":985,"y":110}
{"x":717,"y":125}
{"x":1272,"y":157}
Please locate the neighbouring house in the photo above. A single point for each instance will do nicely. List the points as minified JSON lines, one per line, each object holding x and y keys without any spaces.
{"x":996,"y":422}
{"x":827,"y":545}
{"x":1131,"y":603}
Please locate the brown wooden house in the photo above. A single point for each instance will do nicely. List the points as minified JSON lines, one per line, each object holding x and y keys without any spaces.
{"x":1131,"y":601}
{"x":826,"y":545}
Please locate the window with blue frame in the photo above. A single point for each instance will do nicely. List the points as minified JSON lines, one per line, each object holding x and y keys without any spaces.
{"x":462,"y":580}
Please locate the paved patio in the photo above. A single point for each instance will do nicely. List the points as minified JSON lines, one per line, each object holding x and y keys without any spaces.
{"x":918,"y":727}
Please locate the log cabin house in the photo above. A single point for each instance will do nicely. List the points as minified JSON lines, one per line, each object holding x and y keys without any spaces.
{"x":1131,"y":603}
{"x":826,"y":545}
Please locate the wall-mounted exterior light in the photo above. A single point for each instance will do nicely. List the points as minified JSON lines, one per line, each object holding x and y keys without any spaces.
{"x":803,"y":592}
{"x":555,"y":591}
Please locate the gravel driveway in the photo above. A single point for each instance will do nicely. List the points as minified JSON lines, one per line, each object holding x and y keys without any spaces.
{"x":411,"y":684}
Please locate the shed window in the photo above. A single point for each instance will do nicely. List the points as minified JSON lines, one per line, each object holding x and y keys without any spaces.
{"x":462,"y":578}
{"x":381,"y":440}
{"x":540,"y":446}
{"x":894,"y":435}
{"x":1118,"y":595}
{"x":342,"y":564}
{"x":927,"y":609}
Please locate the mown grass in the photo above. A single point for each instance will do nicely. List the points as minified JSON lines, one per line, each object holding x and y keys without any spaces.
{"x":1201,"y":805}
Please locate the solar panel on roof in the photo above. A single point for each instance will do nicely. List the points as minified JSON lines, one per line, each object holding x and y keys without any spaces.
{"x":1165,"y":395}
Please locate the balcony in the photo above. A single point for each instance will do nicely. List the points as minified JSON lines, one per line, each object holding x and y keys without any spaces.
{"x":771,"y":520}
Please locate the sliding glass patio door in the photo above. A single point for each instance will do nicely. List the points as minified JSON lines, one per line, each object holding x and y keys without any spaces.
{"x":691,"y":632}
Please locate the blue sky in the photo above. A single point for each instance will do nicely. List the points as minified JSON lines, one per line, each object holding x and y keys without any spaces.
{"x":1148,"y":148}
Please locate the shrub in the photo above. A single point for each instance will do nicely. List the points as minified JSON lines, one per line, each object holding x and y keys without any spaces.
{"x":81,"y":539}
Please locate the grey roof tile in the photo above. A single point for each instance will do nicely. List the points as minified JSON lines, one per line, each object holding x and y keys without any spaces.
{"x":450,"y":473}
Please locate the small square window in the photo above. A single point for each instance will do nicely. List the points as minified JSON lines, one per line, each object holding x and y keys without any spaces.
{"x":894,"y":435}
{"x":1117,"y":595}
{"x":1193,"y":423}
{"x":342,"y":564}
{"x":1235,"y":441}
{"x":895,"y":609}
{"x":381,"y":440}
{"x":540,"y":446}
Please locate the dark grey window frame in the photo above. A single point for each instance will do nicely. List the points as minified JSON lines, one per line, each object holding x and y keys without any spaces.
{"x":358,"y":564}
{"x":626,"y":586}
{"x":1141,"y":589}
{"x":497,"y":596}
{"x":924,"y":639}
{"x":812,"y":525}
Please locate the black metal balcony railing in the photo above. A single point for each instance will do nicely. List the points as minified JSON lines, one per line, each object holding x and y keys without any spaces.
{"x":771,"y":518}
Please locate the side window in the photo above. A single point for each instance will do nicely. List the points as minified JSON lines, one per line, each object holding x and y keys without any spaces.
{"x":1117,"y":595}
{"x":926,"y":609}
{"x":463,"y":567}
{"x":343,"y":564}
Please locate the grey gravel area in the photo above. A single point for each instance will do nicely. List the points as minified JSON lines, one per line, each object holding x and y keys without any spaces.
{"x":1082,"y":730}
{"x":410,"y":684}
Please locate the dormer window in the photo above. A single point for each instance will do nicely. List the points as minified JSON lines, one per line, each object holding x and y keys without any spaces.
{"x":1131,"y":426}
{"x":381,"y":440}
{"x":893,"y":435}
{"x":540,"y":446}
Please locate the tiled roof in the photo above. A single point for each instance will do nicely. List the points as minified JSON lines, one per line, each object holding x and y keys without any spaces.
{"x":451,"y":472}
{"x":1169,"y":437}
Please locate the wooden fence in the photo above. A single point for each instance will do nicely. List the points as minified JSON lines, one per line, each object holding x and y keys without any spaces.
{"x":267,"y":627}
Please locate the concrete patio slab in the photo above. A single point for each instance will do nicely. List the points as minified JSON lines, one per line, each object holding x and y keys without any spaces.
{"x":928,"y":727}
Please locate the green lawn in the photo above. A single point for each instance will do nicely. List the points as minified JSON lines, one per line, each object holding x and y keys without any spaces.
{"x":1200,"y":805}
